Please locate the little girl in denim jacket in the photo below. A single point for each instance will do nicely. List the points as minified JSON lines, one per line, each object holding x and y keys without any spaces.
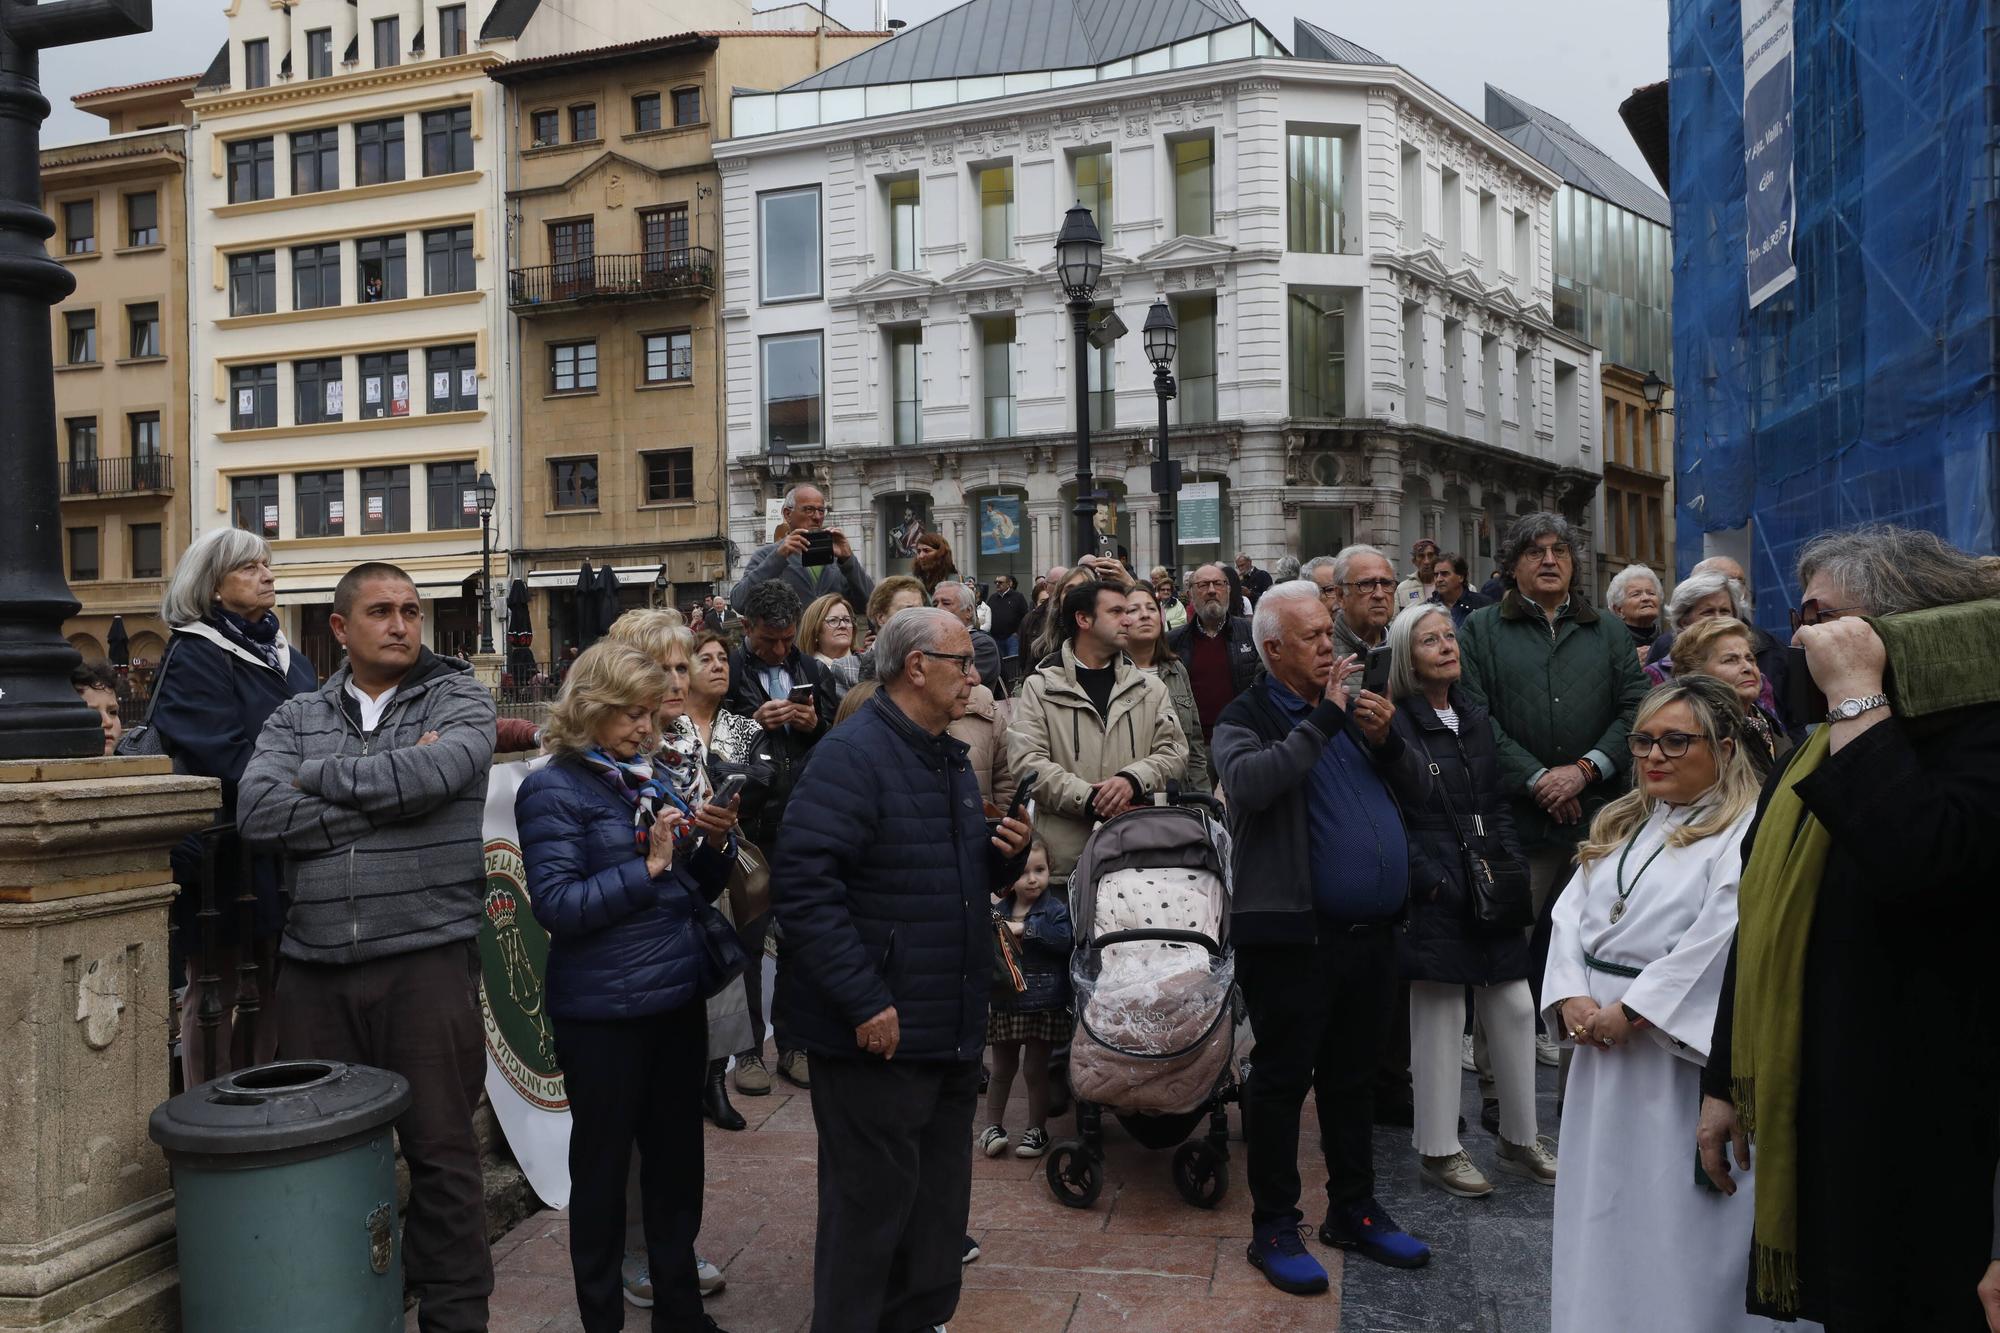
{"x":1037,"y":1018}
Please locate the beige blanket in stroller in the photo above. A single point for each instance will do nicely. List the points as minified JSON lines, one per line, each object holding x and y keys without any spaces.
{"x":1158,"y":1044}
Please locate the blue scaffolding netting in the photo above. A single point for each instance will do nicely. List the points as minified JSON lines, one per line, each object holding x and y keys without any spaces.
{"x":1864,"y":391}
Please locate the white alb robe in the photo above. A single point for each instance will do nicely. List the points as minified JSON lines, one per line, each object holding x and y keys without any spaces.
{"x":1640,"y":1247}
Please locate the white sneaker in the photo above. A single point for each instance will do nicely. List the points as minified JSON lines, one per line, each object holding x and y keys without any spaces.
{"x":993,"y":1140}
{"x":636,"y":1277}
{"x":1465,"y":1060}
{"x":1546,"y":1050}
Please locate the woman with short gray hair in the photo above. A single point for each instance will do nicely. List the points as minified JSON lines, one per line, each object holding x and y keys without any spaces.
{"x":1700,"y":597}
{"x":1634,"y":596}
{"x":225,"y":670}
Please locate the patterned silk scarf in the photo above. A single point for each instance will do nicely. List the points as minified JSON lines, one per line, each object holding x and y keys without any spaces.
{"x":635,"y":781}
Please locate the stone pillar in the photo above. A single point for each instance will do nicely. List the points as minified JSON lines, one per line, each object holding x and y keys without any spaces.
{"x":487,"y":669}
{"x":86,"y":1212}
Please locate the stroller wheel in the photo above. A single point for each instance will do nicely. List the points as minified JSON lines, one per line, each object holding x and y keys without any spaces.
{"x":1075,"y":1177}
{"x":1201,"y":1173}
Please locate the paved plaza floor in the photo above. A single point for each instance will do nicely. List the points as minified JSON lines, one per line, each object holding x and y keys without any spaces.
{"x":1141,"y":1259}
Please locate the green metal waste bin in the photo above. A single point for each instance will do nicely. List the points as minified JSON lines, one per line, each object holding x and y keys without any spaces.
{"x":285,"y":1199}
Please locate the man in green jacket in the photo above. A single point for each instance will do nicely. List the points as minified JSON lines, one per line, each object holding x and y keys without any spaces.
{"x":1562,"y":684}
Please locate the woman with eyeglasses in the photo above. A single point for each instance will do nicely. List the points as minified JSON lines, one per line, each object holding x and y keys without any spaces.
{"x":827,"y":631}
{"x":1633,"y":981}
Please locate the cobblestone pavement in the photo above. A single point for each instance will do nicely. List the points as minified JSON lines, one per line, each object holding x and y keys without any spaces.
{"x":1140,"y":1259}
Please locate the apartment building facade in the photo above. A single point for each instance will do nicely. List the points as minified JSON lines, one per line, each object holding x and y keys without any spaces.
{"x":1360,"y":271}
{"x":121,"y":364}
{"x":612,"y":281}
{"x":350,"y":330}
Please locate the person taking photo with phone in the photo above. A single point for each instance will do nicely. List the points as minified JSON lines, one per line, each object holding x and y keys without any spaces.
{"x":812,"y":560}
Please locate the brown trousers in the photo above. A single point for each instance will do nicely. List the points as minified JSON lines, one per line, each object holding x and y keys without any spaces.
{"x":415,"y":1014}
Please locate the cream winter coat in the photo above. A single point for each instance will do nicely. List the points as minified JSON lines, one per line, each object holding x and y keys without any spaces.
{"x":1057,"y":735}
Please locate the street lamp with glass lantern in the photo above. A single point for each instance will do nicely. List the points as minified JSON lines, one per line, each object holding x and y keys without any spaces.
{"x":1654,"y":390}
{"x":486,"y":492}
{"x":1161,"y":336}
{"x":1079,"y":262}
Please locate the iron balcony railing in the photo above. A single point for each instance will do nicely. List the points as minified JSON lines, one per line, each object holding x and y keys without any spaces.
{"x":649,"y":275}
{"x":117,"y":476}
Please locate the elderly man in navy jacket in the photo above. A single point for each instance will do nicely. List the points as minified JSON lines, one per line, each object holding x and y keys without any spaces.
{"x":882,"y":882}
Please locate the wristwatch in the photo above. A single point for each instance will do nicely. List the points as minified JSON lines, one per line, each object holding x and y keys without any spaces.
{"x":1849,"y":709}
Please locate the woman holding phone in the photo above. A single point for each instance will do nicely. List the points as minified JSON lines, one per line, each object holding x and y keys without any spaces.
{"x":619,"y":866}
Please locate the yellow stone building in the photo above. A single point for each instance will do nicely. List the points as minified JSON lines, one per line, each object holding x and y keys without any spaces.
{"x":121,"y":362}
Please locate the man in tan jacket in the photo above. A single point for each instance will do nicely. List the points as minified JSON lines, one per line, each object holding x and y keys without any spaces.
{"x":1099,"y":734}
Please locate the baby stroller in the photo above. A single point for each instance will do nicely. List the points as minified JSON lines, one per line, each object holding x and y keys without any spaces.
{"x":1156,"y":1003}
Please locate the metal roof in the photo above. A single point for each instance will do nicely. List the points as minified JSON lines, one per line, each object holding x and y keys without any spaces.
{"x":987,"y":37}
{"x":508,"y":18}
{"x":1555,"y":143}
{"x":217,"y":74}
{"x":1312,"y":42}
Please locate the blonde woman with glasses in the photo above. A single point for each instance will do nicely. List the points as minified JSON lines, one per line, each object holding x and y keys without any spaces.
{"x":829,"y":631}
{"x":1634,"y":977}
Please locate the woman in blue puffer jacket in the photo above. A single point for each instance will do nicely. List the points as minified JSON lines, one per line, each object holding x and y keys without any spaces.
{"x":618,"y":866}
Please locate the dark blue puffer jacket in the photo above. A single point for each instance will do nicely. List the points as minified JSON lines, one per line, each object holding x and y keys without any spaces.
{"x":621,"y":944}
{"x":882,"y":884}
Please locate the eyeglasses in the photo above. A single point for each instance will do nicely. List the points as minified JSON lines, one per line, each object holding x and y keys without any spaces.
{"x":810,"y":509}
{"x":1210,"y":583}
{"x":1810,"y":612}
{"x":964,"y":660}
{"x":838,"y":622}
{"x":1551,"y":551}
{"x":1374,"y":585}
{"x":1673,"y":744}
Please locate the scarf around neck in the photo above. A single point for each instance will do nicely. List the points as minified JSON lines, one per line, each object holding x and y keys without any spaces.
{"x":635,"y":782}
{"x":259,"y":636}
{"x":1779,"y":891}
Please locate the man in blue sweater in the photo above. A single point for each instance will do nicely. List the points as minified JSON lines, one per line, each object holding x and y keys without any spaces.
{"x":1321,"y":874}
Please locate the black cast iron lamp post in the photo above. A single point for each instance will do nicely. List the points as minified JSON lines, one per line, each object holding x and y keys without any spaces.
{"x":1654,"y":389}
{"x":41,"y":717}
{"x":487,"y":492}
{"x":1079,"y":262}
{"x":1161,"y":336}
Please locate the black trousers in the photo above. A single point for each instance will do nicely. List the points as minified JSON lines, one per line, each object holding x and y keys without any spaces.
{"x":635,"y":1080}
{"x":1321,"y":1013}
{"x":895,"y":1188}
{"x":753,"y":990}
{"x":415,"y":1014}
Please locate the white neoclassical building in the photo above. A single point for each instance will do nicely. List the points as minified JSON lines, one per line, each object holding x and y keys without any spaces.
{"x":1360,"y":270}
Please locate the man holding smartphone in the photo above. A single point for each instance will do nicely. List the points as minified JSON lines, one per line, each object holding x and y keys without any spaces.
{"x":789,"y":695}
{"x":813,"y":559}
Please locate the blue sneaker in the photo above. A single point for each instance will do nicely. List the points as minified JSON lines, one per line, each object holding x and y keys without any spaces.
{"x":1279,"y":1251}
{"x":1367,"y":1227}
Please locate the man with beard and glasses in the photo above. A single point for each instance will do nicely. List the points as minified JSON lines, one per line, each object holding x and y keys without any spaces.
{"x":1215,"y":646}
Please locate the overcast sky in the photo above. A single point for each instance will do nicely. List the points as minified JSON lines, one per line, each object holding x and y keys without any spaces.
{"x":1577,"y":59}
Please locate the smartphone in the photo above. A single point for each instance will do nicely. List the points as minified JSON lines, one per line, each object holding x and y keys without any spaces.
{"x":801,"y":694}
{"x":1375,"y":676}
{"x":1021,"y":793}
{"x":731,"y":788}
{"x":819,"y":548}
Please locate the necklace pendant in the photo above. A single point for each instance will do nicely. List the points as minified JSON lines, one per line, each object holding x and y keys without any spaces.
{"x":1617,"y":910}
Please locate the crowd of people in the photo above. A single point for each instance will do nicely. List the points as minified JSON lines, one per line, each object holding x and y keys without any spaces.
{"x":1729,"y":887}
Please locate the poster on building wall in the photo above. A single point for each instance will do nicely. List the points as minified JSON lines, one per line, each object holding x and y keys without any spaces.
{"x":1771,"y":211}
{"x":270,"y":520}
{"x":336,"y":399}
{"x":399,"y":395}
{"x":1000,"y":525}
{"x":374,"y":509}
{"x":774,"y":514}
{"x":470,"y":502}
{"x":902,"y":533}
{"x":1201,"y":513}
{"x":336,"y":513}
{"x":246,"y":402}
{"x":440,"y":385}
{"x":468,"y":384}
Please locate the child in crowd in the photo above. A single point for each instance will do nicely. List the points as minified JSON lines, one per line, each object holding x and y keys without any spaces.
{"x":1038,"y":1017}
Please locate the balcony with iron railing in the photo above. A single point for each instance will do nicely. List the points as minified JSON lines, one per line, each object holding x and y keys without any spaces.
{"x":651,"y":275}
{"x":96,"y":478}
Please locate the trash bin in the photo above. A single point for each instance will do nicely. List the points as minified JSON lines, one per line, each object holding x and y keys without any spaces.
{"x":285,"y":1199}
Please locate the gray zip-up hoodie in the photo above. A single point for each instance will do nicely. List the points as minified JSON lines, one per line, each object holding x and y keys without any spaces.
{"x":383,"y":839}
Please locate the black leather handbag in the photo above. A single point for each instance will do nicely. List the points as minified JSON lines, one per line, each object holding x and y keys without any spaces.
{"x":1498,"y":893}
{"x":723,"y":955}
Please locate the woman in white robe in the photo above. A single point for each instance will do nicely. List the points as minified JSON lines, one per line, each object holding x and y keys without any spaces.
{"x":1641,"y":935}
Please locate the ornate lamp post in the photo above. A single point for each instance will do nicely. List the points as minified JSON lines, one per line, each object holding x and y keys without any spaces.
{"x":1079,"y":261}
{"x":40,"y":715}
{"x":1162,"y":336}
{"x":487,"y":492}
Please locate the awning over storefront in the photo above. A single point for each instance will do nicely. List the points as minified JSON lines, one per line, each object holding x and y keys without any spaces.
{"x":566,"y":578}
{"x":432,"y":585}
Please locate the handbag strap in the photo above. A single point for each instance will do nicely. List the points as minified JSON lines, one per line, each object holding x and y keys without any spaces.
{"x":1444,"y":794}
